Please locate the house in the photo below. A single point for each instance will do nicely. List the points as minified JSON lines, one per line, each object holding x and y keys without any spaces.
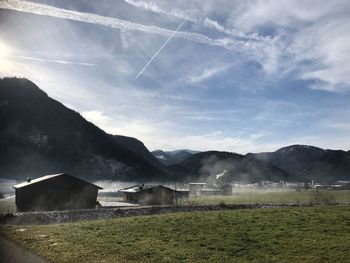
{"x":210,"y":191}
{"x":55,"y":192}
{"x":195,"y":188}
{"x":152,"y":195}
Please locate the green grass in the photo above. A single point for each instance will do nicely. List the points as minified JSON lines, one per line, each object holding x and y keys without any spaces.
{"x":7,"y":205}
{"x":281,"y":197}
{"x":305,"y":234}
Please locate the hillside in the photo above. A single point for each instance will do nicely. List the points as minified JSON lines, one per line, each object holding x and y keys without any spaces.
{"x":229,"y":167}
{"x":137,"y":147}
{"x":305,"y":163}
{"x":173,"y":157}
{"x":39,"y":135}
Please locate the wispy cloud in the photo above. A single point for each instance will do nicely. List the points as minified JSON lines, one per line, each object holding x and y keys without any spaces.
{"x":301,"y":36}
{"x":155,"y":7}
{"x":207,"y":72}
{"x":210,"y":23}
{"x":256,"y":60}
{"x":313,"y":39}
{"x":47,"y":10}
{"x":166,"y":9}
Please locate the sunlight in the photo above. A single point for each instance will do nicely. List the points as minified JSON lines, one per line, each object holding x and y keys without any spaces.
{"x":4,"y":54}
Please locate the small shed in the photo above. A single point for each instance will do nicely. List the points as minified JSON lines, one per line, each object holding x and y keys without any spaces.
{"x":55,"y":192}
{"x":152,"y":195}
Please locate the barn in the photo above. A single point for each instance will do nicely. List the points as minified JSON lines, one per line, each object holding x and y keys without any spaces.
{"x":152,"y":195}
{"x":55,"y":192}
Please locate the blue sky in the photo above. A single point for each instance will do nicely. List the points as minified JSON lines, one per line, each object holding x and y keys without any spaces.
{"x":240,"y":76}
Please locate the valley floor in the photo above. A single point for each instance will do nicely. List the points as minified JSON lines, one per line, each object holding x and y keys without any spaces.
{"x":303,"y":234}
{"x":7,"y":205}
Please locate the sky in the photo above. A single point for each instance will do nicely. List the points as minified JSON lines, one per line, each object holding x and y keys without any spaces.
{"x":238,"y":76}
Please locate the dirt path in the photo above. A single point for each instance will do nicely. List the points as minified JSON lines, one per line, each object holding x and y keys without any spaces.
{"x":11,"y":252}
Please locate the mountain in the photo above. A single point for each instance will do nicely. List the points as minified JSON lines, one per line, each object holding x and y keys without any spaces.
{"x":163,"y":157}
{"x":137,"y":147}
{"x":173,"y":157}
{"x":305,"y":163}
{"x":228,"y":167}
{"x":39,"y":135}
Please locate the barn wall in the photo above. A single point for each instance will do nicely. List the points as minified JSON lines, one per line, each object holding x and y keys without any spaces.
{"x":58,"y":193}
{"x":154,"y":196}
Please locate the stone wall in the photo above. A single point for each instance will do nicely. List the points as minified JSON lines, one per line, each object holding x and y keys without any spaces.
{"x":107,"y":213}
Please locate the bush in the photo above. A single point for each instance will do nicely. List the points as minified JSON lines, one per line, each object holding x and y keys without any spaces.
{"x":222,"y":204}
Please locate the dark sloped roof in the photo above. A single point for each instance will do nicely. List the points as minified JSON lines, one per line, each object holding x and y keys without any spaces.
{"x":50,"y":176}
{"x":140,"y":187}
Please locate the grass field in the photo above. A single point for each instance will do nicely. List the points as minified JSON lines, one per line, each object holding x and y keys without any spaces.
{"x":7,"y":205}
{"x":305,"y":234}
{"x":280,"y":197}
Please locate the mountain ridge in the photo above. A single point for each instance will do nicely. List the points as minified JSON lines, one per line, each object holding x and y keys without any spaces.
{"x":37,"y":129}
{"x":173,"y":157}
{"x":306,"y":162}
{"x":39,"y":135}
{"x":230,"y":167}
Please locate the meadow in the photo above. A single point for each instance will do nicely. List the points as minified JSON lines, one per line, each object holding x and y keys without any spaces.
{"x":275,"y":197}
{"x":303,"y":234}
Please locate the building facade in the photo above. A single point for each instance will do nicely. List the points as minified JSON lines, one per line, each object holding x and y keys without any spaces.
{"x":55,"y":192}
{"x":152,"y":195}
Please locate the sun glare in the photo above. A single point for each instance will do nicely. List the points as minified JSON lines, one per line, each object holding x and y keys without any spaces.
{"x":4,"y":53}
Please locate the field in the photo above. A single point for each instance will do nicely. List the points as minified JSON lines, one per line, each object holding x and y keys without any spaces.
{"x":275,"y":197}
{"x":257,"y":197}
{"x":7,"y":205}
{"x":305,"y":234}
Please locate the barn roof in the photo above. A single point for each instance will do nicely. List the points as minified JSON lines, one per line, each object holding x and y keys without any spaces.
{"x":50,"y":176}
{"x":140,"y":187}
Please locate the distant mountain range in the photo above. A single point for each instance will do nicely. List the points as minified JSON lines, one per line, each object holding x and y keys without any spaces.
{"x":306,"y":163}
{"x":173,"y":157}
{"x":228,"y":167}
{"x":39,"y":135}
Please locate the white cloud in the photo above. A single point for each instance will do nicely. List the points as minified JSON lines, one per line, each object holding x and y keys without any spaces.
{"x":207,"y":73}
{"x":156,"y":135}
{"x":218,"y":141}
{"x":288,"y":13}
{"x":191,"y":13}
{"x":307,"y":37}
{"x":47,"y":10}
{"x":98,"y":118}
{"x":312,"y":38}
{"x":210,"y":23}
{"x":157,"y":7}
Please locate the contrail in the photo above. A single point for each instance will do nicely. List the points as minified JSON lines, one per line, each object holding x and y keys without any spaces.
{"x":170,"y":37}
{"x":112,"y":22}
{"x":65,"y":62}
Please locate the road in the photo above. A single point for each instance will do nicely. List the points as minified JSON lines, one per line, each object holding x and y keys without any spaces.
{"x":10,"y":252}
